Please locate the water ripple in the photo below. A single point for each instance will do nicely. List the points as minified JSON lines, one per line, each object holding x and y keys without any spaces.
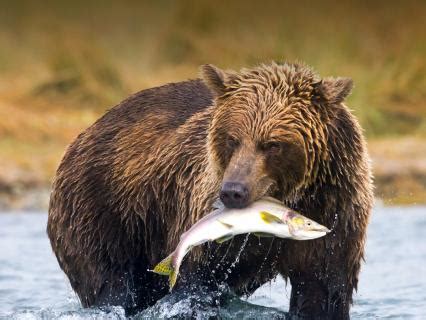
{"x":392,"y":283}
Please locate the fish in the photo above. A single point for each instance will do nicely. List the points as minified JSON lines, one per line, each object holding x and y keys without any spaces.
{"x":266,"y":217}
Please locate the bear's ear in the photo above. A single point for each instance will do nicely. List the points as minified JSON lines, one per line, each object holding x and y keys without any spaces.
{"x":332,"y":90}
{"x":214,"y":78}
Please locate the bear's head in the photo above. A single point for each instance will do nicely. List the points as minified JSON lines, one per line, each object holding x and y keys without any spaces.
{"x":269,"y":129}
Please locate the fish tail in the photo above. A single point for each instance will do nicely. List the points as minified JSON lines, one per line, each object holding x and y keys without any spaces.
{"x":172,"y":279}
{"x":165,"y":267}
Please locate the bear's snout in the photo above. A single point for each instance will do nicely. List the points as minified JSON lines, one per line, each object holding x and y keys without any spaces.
{"x":234,"y":195}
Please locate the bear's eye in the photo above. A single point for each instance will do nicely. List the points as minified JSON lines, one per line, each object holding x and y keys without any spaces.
{"x":271,"y":147}
{"x":232,"y":143}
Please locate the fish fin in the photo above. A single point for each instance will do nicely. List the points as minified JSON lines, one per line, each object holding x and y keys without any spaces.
{"x":224,"y":238}
{"x":229,"y":226}
{"x":165,"y":267}
{"x":263,"y":234}
{"x":269,"y":218}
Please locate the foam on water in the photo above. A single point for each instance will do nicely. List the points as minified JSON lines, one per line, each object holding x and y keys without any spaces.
{"x":392,"y":285}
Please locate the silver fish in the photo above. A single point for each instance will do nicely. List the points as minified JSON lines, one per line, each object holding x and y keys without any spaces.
{"x":265,"y":217}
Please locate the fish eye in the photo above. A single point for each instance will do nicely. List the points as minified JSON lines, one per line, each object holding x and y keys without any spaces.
{"x":308,"y":223}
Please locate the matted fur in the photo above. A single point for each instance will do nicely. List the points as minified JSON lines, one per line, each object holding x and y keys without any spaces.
{"x":134,"y":181}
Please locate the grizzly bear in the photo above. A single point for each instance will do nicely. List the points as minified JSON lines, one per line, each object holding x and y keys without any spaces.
{"x":142,"y":174}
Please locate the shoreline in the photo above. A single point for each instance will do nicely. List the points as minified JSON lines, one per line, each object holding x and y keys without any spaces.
{"x":403,"y":189}
{"x":20,"y":199}
{"x":398,"y":165}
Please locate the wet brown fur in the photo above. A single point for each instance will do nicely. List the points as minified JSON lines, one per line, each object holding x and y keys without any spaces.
{"x":130,"y":184}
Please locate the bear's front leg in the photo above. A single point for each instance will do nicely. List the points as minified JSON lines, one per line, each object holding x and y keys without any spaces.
{"x":314,"y":297}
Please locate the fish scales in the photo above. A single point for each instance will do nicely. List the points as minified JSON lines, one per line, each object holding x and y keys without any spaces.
{"x":265,"y":217}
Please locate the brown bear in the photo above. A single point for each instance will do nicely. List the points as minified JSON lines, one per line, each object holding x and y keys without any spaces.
{"x":141,"y":175}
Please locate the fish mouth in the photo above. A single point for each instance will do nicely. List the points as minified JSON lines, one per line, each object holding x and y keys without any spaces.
{"x":321,"y":229}
{"x":312,"y":233}
{"x":318,"y":231}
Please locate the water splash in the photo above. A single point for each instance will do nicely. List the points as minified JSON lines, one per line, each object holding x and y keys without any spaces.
{"x":237,"y":257}
{"x":110,"y":313}
{"x":200,"y":304}
{"x":32,"y":285}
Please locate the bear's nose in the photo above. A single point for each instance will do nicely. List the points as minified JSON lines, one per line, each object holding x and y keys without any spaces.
{"x":234,"y":195}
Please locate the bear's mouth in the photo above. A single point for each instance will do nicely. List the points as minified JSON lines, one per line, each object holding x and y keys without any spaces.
{"x":269,"y":189}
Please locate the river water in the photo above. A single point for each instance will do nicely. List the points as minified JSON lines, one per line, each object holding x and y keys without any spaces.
{"x":392,"y":283}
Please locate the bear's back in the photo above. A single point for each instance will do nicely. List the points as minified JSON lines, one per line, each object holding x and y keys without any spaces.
{"x":177,"y":101}
{"x":156,"y":111}
{"x":134,"y":129}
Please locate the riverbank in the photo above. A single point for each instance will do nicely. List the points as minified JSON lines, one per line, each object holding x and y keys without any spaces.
{"x":399,"y":168}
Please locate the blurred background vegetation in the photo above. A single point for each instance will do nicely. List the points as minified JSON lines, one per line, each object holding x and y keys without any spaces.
{"x":64,"y":63}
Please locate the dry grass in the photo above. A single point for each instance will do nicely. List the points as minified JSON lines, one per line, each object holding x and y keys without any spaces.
{"x":63,"y":63}
{"x":400,"y":169}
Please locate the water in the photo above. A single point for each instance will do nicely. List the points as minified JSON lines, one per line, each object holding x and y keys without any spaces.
{"x":392,"y":284}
